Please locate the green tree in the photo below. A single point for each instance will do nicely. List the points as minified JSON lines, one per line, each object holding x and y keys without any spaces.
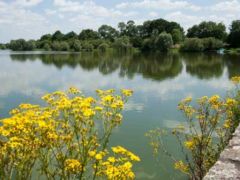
{"x":87,"y":46}
{"x":177,"y":36}
{"x":192,"y":45}
{"x":234,"y":35}
{"x":64,"y":46}
{"x":108,"y":32}
{"x":158,"y":26}
{"x":22,"y":45}
{"x":2,"y":46}
{"x":57,"y":36}
{"x":208,"y":29}
{"x":46,"y":37}
{"x":163,"y":42}
{"x":47,"y":47}
{"x":76,"y":45}
{"x":122,"y":28}
{"x":122,"y":44}
{"x":212,"y":44}
{"x":56,"y":46}
{"x":103,"y":47}
{"x":148,"y":44}
{"x":88,"y":34}
{"x":70,"y":35}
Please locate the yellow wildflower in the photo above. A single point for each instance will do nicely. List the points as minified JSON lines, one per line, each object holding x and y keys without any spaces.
{"x":189,"y":144}
{"x":73,"y":166}
{"x":127,"y":92}
{"x":179,"y":165}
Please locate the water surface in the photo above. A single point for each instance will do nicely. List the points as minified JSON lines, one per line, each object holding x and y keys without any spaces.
{"x":159,"y":82}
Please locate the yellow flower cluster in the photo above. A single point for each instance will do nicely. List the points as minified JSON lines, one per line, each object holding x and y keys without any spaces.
{"x":118,"y":166}
{"x":236,"y":80}
{"x":179,"y":165}
{"x":190,"y":144}
{"x":62,"y":136}
{"x":73,"y":166}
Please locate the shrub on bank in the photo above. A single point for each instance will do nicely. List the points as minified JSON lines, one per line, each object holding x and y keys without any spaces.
{"x":163,"y":42}
{"x":199,"y":45}
{"x":212,"y":44}
{"x":103,"y":47}
{"x":192,"y":45}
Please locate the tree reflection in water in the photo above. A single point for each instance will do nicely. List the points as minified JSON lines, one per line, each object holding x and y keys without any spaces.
{"x":154,"y":66}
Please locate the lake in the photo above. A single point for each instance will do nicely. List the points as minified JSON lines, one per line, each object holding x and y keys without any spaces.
{"x":159,"y":82}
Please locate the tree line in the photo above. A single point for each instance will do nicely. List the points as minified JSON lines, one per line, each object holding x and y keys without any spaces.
{"x":152,"y":35}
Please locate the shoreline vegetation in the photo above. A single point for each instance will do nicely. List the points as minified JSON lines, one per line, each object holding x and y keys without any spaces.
{"x":153,"y":35}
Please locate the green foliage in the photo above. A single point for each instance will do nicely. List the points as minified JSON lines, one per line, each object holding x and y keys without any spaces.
{"x":57,"y":36}
{"x":75,"y":45}
{"x":212,"y":44}
{"x":234,"y":35}
{"x":192,"y":45}
{"x":148,"y":44}
{"x":87,"y":46}
{"x":145,"y":37}
{"x":46,"y":37}
{"x":158,"y":26}
{"x":198,"y":45}
{"x":71,"y":35}
{"x":47,"y":47}
{"x":163,"y":42}
{"x":3,"y":46}
{"x":22,"y":45}
{"x":60,"y":46}
{"x":208,"y":29}
{"x":122,"y":44}
{"x":103,"y":47}
{"x":88,"y":34}
{"x":108,"y":32}
{"x":177,"y":36}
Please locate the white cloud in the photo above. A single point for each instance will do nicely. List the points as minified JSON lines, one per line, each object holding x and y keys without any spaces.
{"x":184,"y":19}
{"x":232,"y":6}
{"x":153,"y":14}
{"x":19,"y":22}
{"x":26,"y":3}
{"x":159,"y":4}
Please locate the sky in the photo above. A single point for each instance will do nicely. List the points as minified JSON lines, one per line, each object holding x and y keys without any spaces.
{"x":29,"y":19}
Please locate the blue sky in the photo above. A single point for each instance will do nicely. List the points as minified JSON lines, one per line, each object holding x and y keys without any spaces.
{"x":32,"y":18}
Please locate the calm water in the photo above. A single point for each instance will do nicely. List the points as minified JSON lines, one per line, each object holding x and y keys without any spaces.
{"x":159,"y":82}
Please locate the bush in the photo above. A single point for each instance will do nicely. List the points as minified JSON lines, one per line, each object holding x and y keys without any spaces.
{"x":148,"y":44}
{"x":103,"y":47}
{"x":177,"y":36}
{"x":122,"y":44}
{"x":3,"y":46}
{"x":60,"y":46}
{"x":22,"y":45}
{"x":87,"y":46}
{"x":56,"y":46}
{"x":192,"y":45}
{"x":76,"y":46}
{"x":47,"y":47}
{"x":64,"y":46}
{"x":212,"y":44}
{"x":163,"y":42}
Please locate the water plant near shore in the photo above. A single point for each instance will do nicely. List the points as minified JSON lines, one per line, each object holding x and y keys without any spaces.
{"x":66,"y":139}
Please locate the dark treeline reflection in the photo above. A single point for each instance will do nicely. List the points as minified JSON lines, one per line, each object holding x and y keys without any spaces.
{"x":154,"y":66}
